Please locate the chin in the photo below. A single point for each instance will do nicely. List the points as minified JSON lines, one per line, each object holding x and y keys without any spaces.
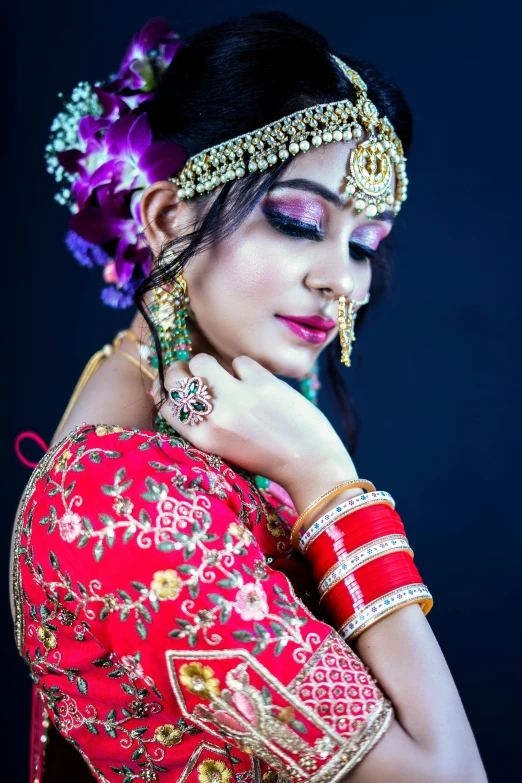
{"x":294,"y":366}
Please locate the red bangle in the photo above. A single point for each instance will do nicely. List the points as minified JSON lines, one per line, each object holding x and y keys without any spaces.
{"x":350,"y":533}
{"x":368,"y":583}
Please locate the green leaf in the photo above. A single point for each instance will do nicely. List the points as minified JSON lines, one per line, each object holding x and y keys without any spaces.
{"x":144,"y":613}
{"x":193,"y":589}
{"x":111,"y":715}
{"x":125,"y":485}
{"x":124,"y":596}
{"x":113,"y":454}
{"x":299,"y":726}
{"x":260,"y":630}
{"x":259,"y":647}
{"x":243,"y":636}
{"x":166,"y":546}
{"x":277,"y":629}
{"x":280,"y":646}
{"x":139,"y":586}
{"x":144,"y":517}
{"x":225,"y":614}
{"x":78,"y":467}
{"x":138,"y":753}
{"x":90,"y":727}
{"x":125,"y":612}
{"x":111,"y":731}
{"x":82,"y":686}
{"x":185,"y":568}
{"x":106,"y":519}
{"x":119,"y":476}
{"x":103,"y":663}
{"x":227,"y":583}
{"x":104,"y":613}
{"x":82,"y":589}
{"x":98,"y":551}
{"x":54,"y":561}
{"x":267,"y":696}
{"x":127,"y":688}
{"x":141,"y":629}
{"x":108,"y":489}
{"x":216,"y":598}
{"x":95,"y":457}
{"x":128,"y":534}
{"x":44,"y":612}
{"x":83,"y":540}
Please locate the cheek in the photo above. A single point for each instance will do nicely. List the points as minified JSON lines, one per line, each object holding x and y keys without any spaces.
{"x":249,"y":267}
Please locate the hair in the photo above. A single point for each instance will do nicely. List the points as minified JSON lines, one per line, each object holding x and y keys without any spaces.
{"x":230,"y":79}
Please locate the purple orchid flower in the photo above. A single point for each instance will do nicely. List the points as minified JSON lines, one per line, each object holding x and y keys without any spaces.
{"x":114,"y":160}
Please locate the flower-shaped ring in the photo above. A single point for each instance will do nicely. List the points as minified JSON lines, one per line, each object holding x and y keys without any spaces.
{"x":190,"y":400}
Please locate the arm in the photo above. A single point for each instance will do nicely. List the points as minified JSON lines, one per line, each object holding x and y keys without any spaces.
{"x":430,"y":739}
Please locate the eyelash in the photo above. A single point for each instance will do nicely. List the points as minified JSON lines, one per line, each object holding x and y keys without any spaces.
{"x":298,"y":230}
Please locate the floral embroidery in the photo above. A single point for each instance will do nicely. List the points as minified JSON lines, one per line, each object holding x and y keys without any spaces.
{"x":47,"y":638}
{"x":70,"y":526}
{"x":166,"y":584}
{"x":211,"y":771}
{"x":156,"y":538}
{"x":251,"y":602}
{"x":168,"y":735}
{"x":200,"y":680}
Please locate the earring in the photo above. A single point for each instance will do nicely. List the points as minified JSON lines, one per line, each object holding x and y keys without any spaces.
{"x":169,"y":310}
{"x":347,"y":325}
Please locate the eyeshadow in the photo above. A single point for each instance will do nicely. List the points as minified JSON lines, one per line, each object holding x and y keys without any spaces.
{"x":305,"y":210}
{"x":370,"y":235}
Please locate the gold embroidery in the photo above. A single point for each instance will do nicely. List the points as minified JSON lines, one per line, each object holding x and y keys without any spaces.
{"x":266,"y":730}
{"x":211,"y":771}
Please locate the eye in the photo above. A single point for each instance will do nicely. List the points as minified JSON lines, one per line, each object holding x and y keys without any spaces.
{"x":291,"y":227}
{"x":361,"y":253}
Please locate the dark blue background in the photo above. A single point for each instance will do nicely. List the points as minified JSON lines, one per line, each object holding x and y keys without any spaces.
{"x":436,"y":378}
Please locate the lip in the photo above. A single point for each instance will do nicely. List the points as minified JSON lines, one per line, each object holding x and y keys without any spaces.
{"x":311,"y":320}
{"x":313,"y":329}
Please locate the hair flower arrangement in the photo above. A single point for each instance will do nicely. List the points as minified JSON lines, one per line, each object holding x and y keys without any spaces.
{"x":102,"y":154}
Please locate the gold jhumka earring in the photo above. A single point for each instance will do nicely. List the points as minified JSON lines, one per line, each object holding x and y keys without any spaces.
{"x":347,"y":318}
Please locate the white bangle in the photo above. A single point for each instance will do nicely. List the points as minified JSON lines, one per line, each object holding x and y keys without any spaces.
{"x":363,"y":554}
{"x":386,"y":604}
{"x":354,"y":504}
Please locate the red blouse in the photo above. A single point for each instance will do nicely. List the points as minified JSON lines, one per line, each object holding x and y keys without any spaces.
{"x":161,"y":633}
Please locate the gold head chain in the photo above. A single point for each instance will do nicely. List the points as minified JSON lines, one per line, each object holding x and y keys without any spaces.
{"x":371,"y":163}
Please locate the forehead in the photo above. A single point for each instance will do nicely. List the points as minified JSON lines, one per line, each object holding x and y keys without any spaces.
{"x":328,"y":165}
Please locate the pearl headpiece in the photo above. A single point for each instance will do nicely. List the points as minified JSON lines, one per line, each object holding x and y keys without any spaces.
{"x":371,"y":162}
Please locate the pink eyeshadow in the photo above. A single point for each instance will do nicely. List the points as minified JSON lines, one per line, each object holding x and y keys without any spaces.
{"x":370,"y":235}
{"x":302,"y":209}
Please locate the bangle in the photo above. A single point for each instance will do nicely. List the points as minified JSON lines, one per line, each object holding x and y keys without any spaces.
{"x":386,"y":604}
{"x":367,"y":584}
{"x":301,"y":519}
{"x":342,"y":510}
{"x":350,"y":561}
{"x":350,"y":533}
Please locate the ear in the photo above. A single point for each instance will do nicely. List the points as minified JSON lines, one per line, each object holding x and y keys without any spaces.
{"x":163,"y":215}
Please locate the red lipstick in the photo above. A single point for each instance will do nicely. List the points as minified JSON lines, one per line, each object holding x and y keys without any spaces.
{"x":312,"y":328}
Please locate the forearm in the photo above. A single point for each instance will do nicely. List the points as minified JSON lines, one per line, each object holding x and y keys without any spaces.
{"x":430,"y":738}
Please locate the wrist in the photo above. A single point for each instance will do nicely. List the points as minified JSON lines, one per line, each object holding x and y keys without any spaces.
{"x":312,"y":481}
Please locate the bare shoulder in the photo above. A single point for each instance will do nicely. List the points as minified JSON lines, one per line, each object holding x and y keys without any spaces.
{"x":116,"y":394}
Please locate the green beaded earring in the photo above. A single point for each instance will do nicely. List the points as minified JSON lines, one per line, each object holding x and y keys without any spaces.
{"x":169,"y":310}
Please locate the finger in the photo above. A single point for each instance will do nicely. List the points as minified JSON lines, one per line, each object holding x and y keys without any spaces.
{"x":247,"y":369}
{"x":209,"y":369}
{"x":177,"y":371}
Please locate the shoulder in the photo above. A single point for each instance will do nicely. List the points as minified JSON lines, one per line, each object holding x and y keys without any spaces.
{"x":97,"y":462}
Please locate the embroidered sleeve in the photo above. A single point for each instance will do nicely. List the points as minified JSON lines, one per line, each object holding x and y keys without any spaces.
{"x":143,"y":545}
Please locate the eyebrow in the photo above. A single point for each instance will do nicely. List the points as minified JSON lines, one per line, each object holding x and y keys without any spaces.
{"x":321,"y":190}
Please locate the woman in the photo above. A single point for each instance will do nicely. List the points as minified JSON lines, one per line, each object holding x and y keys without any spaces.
{"x":240,"y":190}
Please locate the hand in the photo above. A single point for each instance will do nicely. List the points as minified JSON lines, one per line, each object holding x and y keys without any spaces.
{"x":261,"y":424}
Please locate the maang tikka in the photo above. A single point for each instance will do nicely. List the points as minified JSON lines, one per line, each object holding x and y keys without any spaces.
{"x":347,"y":318}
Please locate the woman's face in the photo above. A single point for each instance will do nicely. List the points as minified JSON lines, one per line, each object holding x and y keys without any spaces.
{"x":270,"y":291}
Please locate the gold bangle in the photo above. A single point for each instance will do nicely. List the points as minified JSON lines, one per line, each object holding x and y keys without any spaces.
{"x":301,"y":519}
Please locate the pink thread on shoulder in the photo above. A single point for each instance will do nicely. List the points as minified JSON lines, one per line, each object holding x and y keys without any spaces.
{"x":33,"y":436}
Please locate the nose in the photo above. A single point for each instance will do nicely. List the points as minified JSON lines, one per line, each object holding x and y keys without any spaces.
{"x":333,"y":277}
